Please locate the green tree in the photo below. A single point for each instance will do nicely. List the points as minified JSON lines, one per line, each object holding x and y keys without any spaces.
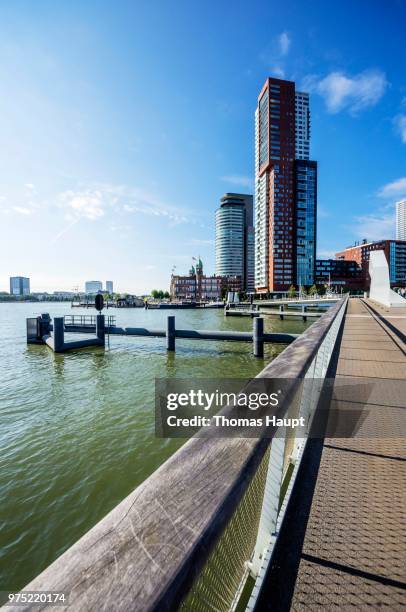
{"x":292,"y":291}
{"x":313,"y":290}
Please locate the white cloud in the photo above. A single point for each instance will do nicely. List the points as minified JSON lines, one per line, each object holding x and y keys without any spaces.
{"x":376,"y":226}
{"x":395,"y":189}
{"x":353,"y":94}
{"x":239,"y":180}
{"x":284,"y":43}
{"x":88,"y":204}
{"x":279,"y":72}
{"x":22,"y":210}
{"x":400,"y":123}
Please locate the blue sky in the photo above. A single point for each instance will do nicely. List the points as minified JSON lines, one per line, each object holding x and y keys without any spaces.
{"x":123,"y":123}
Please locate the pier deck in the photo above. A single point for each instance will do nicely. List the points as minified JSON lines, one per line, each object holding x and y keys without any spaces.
{"x":343,"y":540}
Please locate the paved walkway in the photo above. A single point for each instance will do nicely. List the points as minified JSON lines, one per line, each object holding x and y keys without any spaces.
{"x":343,"y":542}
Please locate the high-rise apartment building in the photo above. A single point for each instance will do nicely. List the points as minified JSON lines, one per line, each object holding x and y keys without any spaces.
{"x":235,"y":238}
{"x":285,"y":232}
{"x":305,"y":221}
{"x":401,"y":220}
{"x":19,"y":285}
{"x":109,"y":287}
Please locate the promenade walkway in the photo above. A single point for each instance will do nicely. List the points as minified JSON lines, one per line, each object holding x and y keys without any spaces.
{"x":343,"y":540}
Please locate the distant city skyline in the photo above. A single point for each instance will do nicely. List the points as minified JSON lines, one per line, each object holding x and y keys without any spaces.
{"x":125,"y":124}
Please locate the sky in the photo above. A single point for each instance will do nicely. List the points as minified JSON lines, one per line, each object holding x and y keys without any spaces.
{"x":123,"y":123}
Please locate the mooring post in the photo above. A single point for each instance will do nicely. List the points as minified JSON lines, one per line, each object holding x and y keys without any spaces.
{"x":281,"y":309}
{"x":59,"y":334}
{"x":304,"y":310}
{"x":258,"y":337}
{"x":100,"y":329}
{"x":170,"y":333}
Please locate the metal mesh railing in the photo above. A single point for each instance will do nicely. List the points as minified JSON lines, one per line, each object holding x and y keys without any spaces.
{"x":218,"y":584}
{"x":86,"y":320}
{"x":243,"y":545}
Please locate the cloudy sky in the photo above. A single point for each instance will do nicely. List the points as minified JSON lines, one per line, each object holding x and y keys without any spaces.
{"x":123,"y":123}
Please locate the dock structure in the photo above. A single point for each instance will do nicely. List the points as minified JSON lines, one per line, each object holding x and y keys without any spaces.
{"x":316,"y":521}
{"x":40,"y":330}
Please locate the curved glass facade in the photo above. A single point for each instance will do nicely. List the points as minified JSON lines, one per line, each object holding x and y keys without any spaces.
{"x":234,"y":238}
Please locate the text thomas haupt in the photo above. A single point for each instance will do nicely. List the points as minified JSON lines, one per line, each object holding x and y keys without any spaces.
{"x":219,"y":420}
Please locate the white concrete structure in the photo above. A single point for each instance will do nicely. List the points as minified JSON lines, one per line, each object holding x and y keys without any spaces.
{"x":380,"y":290}
{"x":401,"y":220}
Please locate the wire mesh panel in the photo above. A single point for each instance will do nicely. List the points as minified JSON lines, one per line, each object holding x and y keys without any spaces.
{"x":226,"y":568}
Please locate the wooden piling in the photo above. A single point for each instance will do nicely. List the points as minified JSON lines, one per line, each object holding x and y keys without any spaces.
{"x":170,"y":333}
{"x":258,"y":337}
{"x":100,"y":329}
{"x":58,"y":335}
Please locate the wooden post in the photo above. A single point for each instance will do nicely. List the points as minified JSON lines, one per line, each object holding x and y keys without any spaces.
{"x":59,"y":334}
{"x":258,"y":337}
{"x":170,"y":333}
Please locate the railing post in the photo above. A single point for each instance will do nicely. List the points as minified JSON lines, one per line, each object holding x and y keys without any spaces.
{"x":270,"y":503}
{"x":304,"y":309}
{"x":281,"y":309}
{"x":59,"y":334}
{"x":100,"y":329}
{"x":258,"y":337}
{"x":170,"y":333}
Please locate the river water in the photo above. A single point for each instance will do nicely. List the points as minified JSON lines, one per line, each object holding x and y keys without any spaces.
{"x":77,"y":429}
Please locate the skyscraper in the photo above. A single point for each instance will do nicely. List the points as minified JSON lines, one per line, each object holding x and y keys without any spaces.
{"x":109,"y":287}
{"x":235,"y":238}
{"x":401,"y":220}
{"x":19,"y":285}
{"x":285,"y":190}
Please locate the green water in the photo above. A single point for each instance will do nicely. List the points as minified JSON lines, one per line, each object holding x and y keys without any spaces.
{"x":77,"y":429}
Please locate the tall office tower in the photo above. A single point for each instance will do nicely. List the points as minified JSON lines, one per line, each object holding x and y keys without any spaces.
{"x":274,"y":181}
{"x":302,"y":116}
{"x":306,"y":220}
{"x":235,"y":238}
{"x":401,"y":220}
{"x":285,"y":239}
{"x":19,"y":285}
{"x":109,"y":287}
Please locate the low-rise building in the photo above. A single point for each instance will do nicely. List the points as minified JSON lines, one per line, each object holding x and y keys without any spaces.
{"x":197,"y":286}
{"x":338,"y":273}
{"x":395,"y":253}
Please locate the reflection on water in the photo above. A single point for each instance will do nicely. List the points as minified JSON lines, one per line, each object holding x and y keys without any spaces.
{"x":77,"y":429}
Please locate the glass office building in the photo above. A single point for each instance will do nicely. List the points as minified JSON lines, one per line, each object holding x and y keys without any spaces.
{"x":306,"y":220}
{"x":235,"y":238}
{"x":19,"y":285}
